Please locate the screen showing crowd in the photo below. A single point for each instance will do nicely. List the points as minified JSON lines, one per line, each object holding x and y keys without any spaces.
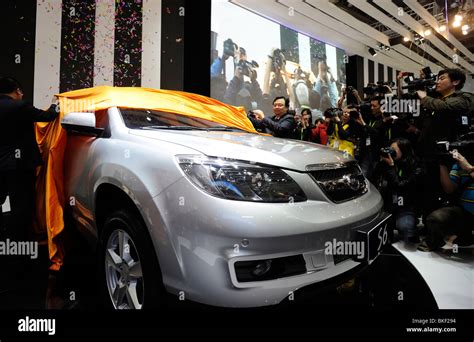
{"x":254,"y":60}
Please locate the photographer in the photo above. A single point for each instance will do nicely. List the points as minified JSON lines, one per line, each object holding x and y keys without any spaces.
{"x":397,"y":175}
{"x":344,"y":134}
{"x":326,"y":79}
{"x":304,"y":125}
{"x":439,"y":122}
{"x":281,"y":125}
{"x":352,"y":95}
{"x":300,"y":89}
{"x":218,"y":81}
{"x":442,"y":113}
{"x":238,"y":92}
{"x":319,"y":132}
{"x":375,"y":135}
{"x":453,"y":224}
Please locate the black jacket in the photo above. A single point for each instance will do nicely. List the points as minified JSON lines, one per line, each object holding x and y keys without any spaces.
{"x":283,"y":127}
{"x":18,"y":147}
{"x":400,"y":181}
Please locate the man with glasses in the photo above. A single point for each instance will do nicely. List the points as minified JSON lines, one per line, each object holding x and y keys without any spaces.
{"x":282,"y":124}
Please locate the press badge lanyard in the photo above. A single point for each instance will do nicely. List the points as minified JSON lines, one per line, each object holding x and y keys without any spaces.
{"x":371,"y":125}
{"x":398,"y":200}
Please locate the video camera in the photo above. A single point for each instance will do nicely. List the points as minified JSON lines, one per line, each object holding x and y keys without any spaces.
{"x":378,"y":88}
{"x":247,"y":67}
{"x":464,"y":145}
{"x":427,"y":84}
{"x":229,"y":47}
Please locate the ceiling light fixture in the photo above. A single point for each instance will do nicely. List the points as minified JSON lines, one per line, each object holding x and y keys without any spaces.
{"x":456,"y":24}
{"x":442,"y":28}
{"x":406,"y":39}
{"x":427,"y":32}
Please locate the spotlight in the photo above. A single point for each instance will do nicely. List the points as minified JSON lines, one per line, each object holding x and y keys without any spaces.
{"x":458,"y":17}
{"x":427,"y":32}
{"x":442,"y":28}
{"x":383,"y":47}
{"x":372,"y":52}
{"x":456,"y":24}
{"x":464,"y":32}
{"x":406,"y":39}
{"x":465,"y":27}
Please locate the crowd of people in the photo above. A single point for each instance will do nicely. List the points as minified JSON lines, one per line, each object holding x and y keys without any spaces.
{"x":399,"y":154}
{"x":316,"y":90}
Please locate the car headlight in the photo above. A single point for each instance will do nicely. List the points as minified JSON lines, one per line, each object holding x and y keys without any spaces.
{"x":237,"y":180}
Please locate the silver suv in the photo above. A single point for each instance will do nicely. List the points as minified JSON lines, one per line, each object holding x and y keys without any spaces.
{"x":212,"y":213}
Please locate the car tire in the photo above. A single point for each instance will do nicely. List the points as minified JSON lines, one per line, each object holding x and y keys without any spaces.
{"x":130,"y":273}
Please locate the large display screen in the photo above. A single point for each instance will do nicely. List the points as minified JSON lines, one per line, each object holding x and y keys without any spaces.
{"x":254,"y":60}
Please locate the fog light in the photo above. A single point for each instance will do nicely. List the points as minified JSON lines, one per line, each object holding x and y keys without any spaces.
{"x":262,"y":268}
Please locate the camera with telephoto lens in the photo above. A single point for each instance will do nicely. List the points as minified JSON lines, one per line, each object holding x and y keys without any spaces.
{"x":388,"y":151}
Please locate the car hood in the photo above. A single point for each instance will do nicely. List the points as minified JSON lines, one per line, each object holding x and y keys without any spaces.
{"x":284,"y":153}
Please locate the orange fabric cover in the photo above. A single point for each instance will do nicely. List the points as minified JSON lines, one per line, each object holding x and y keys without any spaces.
{"x":52,"y":141}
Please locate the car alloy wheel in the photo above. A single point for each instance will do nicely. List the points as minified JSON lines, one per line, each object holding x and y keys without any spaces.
{"x":123,"y":271}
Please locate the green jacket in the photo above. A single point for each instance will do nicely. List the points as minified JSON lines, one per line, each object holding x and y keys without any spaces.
{"x":442,"y":120}
{"x":457,"y":103}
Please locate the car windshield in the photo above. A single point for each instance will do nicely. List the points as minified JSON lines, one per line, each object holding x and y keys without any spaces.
{"x":153,"y":119}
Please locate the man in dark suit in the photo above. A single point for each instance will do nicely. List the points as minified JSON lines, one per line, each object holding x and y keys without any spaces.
{"x":282,"y":124}
{"x":19,"y":157}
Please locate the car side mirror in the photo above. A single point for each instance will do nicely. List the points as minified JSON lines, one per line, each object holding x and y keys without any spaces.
{"x":81,"y":124}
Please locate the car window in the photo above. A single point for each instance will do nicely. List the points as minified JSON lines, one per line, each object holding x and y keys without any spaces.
{"x":139,"y":118}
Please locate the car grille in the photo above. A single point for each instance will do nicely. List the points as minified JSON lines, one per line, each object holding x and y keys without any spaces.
{"x":340,"y":182}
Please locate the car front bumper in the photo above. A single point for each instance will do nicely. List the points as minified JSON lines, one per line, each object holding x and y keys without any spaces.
{"x":199,"y":239}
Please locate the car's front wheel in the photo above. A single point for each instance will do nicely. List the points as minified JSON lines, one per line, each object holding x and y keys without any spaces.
{"x":130,"y":269}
